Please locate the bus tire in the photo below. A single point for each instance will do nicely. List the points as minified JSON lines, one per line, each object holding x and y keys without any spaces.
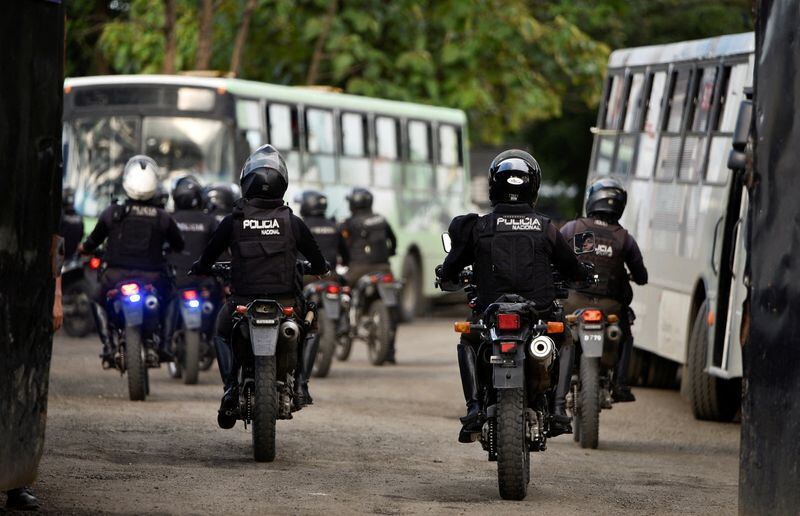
{"x":412,"y":298}
{"x":711,"y":398}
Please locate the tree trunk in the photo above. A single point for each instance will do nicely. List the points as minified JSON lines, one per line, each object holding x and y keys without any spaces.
{"x":170,"y":35}
{"x":205,"y":35}
{"x":241,"y":38}
{"x":319,"y":46}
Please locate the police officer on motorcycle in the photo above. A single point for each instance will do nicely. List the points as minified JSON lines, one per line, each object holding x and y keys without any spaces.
{"x":312,"y":209}
{"x":264,"y":238}
{"x":615,"y":249}
{"x":511,"y":251}
{"x":135,"y":234}
{"x":218,"y":200}
{"x":71,"y":223}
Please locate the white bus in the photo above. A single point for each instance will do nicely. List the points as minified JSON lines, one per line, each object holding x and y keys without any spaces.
{"x":665,"y":130}
{"x":413,"y":157}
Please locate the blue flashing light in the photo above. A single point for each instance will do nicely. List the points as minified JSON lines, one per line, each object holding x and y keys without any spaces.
{"x":135,"y":298}
{"x":194,"y":303}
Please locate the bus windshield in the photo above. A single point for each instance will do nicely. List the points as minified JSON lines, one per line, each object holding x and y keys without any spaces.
{"x":99,"y":147}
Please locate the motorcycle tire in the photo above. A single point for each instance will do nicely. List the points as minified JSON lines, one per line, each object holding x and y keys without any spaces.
{"x":265,"y":409}
{"x":135,"y":364}
{"x":513,"y":454}
{"x":79,"y":323}
{"x":343,"y":348}
{"x":576,"y":420}
{"x":191,"y":357}
{"x":327,"y":347}
{"x":380,"y":334}
{"x":589,"y":398}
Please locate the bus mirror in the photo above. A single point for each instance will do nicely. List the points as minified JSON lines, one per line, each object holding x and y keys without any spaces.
{"x":583,"y":243}
{"x":447,"y":244}
{"x":737,"y":160}
{"x":742,"y":130}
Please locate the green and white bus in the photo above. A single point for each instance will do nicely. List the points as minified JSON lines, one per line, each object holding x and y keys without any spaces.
{"x":665,"y":130}
{"x":413,"y":157}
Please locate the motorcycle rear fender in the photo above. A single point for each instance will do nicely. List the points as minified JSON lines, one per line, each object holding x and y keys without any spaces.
{"x":133,"y":313}
{"x":192,"y":317}
{"x":592,"y":342}
{"x":505,"y":377}
{"x":388,"y":293}
{"x":264,"y":337}
{"x":332,"y":306}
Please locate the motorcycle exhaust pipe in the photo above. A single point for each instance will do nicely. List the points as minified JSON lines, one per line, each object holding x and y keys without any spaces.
{"x":542,"y":350}
{"x":614,"y":333}
{"x":208,"y":307}
{"x":290,"y":331}
{"x":151,"y":302}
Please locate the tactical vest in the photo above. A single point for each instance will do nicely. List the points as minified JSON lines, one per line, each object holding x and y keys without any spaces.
{"x":264,"y":251}
{"x":136,"y":237}
{"x":368,"y":234}
{"x":608,"y":257}
{"x":195,"y":228}
{"x":327,"y":236}
{"x":512,"y":256}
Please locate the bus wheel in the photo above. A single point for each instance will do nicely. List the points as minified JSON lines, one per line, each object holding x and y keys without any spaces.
{"x":412,"y":299}
{"x":712,"y":398}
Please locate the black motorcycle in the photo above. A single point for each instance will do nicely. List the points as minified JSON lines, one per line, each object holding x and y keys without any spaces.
{"x":373,"y":316}
{"x":264,"y":340}
{"x":77,"y":285}
{"x":191,"y":342}
{"x":331,"y":302}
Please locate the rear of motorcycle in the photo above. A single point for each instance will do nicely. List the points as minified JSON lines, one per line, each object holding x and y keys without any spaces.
{"x":189,"y":343}
{"x":596,"y":336}
{"x":266,"y":345}
{"x":135,"y":328}
{"x":516,"y":406}
{"x":327,"y":296}
{"x":77,"y":290}
{"x":374,"y":314}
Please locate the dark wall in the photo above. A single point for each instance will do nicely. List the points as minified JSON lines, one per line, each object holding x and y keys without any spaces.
{"x":31,"y":73}
{"x":770,"y":455}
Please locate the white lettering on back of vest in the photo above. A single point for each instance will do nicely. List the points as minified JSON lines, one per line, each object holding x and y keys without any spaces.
{"x":519,"y":224}
{"x":267,"y":226}
{"x":192,"y":227}
{"x":143,"y":211}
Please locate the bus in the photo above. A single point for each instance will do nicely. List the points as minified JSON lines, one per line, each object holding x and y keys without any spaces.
{"x":664,"y":128}
{"x":413,"y":157}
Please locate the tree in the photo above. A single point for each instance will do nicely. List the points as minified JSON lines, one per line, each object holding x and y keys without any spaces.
{"x":170,"y":36}
{"x":241,"y":38}
{"x":205,"y":35}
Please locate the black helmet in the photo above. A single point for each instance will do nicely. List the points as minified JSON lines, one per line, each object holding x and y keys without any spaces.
{"x":359,"y":199}
{"x":161,"y":197}
{"x":187,"y":194}
{"x":606,"y":196}
{"x":220,"y":197}
{"x":68,"y":198}
{"x":264,"y":174}
{"x":514,"y":177}
{"x":313,"y":204}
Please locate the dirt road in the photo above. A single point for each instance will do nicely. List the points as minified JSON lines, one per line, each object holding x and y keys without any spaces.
{"x":377,"y":440}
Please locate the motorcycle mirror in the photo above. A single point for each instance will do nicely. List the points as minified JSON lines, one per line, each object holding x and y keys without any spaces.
{"x":583,"y":243}
{"x":447,"y":243}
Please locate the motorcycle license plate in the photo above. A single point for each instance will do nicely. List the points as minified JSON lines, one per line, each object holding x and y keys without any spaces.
{"x":264,"y":339}
{"x":388,"y":294}
{"x":332,"y":307}
{"x":592,"y":343}
{"x":134,"y":314}
{"x":192,"y":318}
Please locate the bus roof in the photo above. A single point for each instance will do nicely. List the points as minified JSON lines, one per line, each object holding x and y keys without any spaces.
{"x":699,"y":49}
{"x":293,"y":94}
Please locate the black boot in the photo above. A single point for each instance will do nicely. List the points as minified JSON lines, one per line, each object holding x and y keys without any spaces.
{"x":229,"y":408}
{"x":165,"y":353}
{"x":301,"y":394}
{"x":21,"y":499}
{"x":101,"y":323}
{"x":310,"y":350}
{"x":473,"y":421}
{"x":561,"y":422}
{"x":621,"y":392}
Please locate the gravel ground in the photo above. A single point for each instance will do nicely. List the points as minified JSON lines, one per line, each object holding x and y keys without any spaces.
{"x":378,"y":440}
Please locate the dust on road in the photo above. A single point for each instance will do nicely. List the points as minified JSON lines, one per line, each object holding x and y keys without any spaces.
{"x":377,"y":440}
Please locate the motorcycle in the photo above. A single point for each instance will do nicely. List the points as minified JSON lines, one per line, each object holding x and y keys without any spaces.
{"x":191,"y":342}
{"x":264,"y":340}
{"x":134,"y":327}
{"x":77,"y":287}
{"x":373,"y":316}
{"x":597,"y":336}
{"x":333,"y":298}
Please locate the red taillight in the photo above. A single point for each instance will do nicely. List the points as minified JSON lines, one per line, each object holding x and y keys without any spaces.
{"x":593,"y":316}
{"x":288,"y":311}
{"x":189,"y":295}
{"x":387,"y":278}
{"x":374,"y":279}
{"x":94,"y":263}
{"x":508,"y":347}
{"x":129,"y":289}
{"x":241,"y":309}
{"x":332,"y":289}
{"x":508,"y":321}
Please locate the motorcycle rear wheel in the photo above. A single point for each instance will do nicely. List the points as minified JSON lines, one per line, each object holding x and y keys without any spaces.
{"x":380,"y":334}
{"x":327,"y":347}
{"x":513,"y":454}
{"x":191,"y":356}
{"x":135,"y":364}
{"x":589,"y":412}
{"x":265,"y":409}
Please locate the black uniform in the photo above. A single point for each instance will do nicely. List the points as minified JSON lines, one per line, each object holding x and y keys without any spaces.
{"x":370,"y":242}
{"x":196,"y":227}
{"x":329,"y":238}
{"x":71,"y":229}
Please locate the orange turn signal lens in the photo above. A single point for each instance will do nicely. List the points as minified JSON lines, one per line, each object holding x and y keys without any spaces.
{"x":710,"y":318}
{"x":288,"y":311}
{"x":555,"y":327}
{"x":240,"y":309}
{"x":462,"y":327}
{"x":613,"y":318}
{"x":571,"y":319}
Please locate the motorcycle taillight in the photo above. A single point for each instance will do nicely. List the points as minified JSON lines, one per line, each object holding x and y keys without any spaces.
{"x":189,"y":295}
{"x":387,"y":278}
{"x":94,"y":263}
{"x":592,"y":316}
{"x":129,"y":289}
{"x":508,"y":321}
{"x":332,"y":288}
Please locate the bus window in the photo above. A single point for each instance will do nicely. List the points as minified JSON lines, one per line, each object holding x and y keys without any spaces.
{"x":627,"y":141}
{"x":634,"y":102}
{"x":354,"y":168}
{"x":731,"y":92}
{"x":248,"y":118}
{"x":320,"y":144}
{"x":669,"y":149}
{"x":646,"y":152}
{"x":419,"y":141}
{"x":680,"y":85}
{"x":283,"y":130}
{"x":733,"y":97}
{"x":694,"y":145}
{"x":449,"y":139}
{"x":387,"y":134}
{"x":614,"y":103}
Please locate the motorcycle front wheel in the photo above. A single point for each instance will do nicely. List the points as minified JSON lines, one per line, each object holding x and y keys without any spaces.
{"x":513,"y":454}
{"x":265,"y":409}
{"x":135,"y":364}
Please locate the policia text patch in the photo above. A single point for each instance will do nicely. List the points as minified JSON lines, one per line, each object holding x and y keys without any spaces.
{"x":518,"y":223}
